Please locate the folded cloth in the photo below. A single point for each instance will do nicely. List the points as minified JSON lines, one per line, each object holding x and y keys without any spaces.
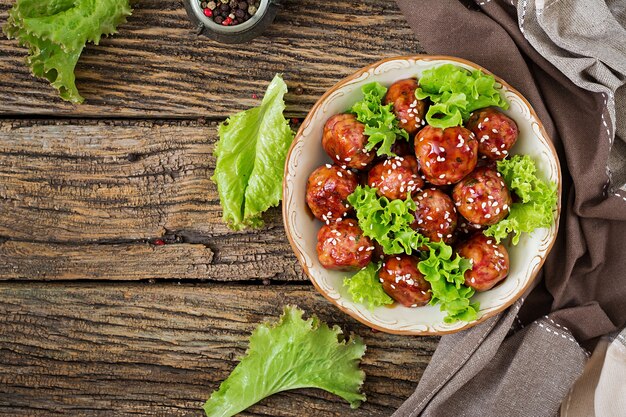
{"x":523,"y":364}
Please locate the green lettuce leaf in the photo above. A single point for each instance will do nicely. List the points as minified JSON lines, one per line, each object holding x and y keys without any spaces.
{"x":364,"y":287}
{"x":380,"y":122}
{"x":456,"y":92}
{"x":55,"y":32}
{"x":294,"y":353}
{"x":538,"y":199}
{"x":389,"y":224}
{"x":446,"y":277}
{"x":251,"y":155}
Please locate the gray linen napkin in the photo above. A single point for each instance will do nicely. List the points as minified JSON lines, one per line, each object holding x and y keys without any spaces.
{"x":523,"y":364}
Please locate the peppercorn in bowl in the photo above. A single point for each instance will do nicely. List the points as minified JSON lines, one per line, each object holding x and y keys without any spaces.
{"x":421,"y":195}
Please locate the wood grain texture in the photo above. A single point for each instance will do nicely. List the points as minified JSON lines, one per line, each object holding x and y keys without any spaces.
{"x":157,"y":66}
{"x":156,"y":350}
{"x":66,"y":185}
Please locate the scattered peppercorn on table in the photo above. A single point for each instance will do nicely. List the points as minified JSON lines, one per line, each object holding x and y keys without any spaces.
{"x":121,"y":290}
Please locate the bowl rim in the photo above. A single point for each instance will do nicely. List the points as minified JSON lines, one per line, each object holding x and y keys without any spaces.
{"x":298,"y":137}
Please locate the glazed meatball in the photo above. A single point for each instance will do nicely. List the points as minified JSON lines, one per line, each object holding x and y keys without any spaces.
{"x":482,"y":197}
{"x":490,"y":262}
{"x":395,"y":177}
{"x":403,"y":281}
{"x":342,"y":246}
{"x":496,"y":132}
{"x":435,"y":216}
{"x":446,"y":155}
{"x":327,"y":191}
{"x":344,"y":141}
{"x":409,"y":110}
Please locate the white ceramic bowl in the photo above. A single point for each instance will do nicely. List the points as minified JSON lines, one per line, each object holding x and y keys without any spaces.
{"x":306,"y":154}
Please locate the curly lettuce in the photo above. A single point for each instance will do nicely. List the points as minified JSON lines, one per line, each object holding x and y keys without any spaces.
{"x":389,"y":224}
{"x":364,"y":287}
{"x":446,"y":276}
{"x":291,"y":354}
{"x":455,"y":93}
{"x":381,"y":125}
{"x":56,"y":31}
{"x":538,"y":199}
{"x":251,"y":155}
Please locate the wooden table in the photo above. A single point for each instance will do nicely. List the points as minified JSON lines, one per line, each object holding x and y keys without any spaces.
{"x":97,"y":320}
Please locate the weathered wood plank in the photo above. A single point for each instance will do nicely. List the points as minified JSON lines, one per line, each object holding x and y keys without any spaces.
{"x":157,"y":66}
{"x":156,"y":350}
{"x":66,"y":185}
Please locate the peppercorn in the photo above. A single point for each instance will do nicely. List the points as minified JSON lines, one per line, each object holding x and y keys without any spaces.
{"x":251,"y":10}
{"x":233,"y":4}
{"x":231,"y":16}
{"x":243,"y":5}
{"x":240,"y":13}
{"x":211,"y":5}
{"x":218,"y":19}
{"x":224,"y":8}
{"x":203,"y":4}
{"x":208,"y":12}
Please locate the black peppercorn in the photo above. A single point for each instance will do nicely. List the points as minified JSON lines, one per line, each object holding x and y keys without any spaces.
{"x":243,"y":5}
{"x":224,"y":8}
{"x":219,"y":20}
{"x":240,"y":13}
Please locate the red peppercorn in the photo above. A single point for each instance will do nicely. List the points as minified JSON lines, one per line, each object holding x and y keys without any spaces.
{"x":158,"y":242}
{"x":208,"y":12}
{"x":227,"y":21}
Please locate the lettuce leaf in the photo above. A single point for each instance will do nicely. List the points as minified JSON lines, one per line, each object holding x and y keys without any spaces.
{"x":251,"y":155}
{"x":55,"y":32}
{"x":446,"y":278}
{"x":294,"y":353}
{"x":389,"y":223}
{"x":364,"y":287}
{"x":455,"y":93}
{"x":380,"y":122}
{"x":538,"y":199}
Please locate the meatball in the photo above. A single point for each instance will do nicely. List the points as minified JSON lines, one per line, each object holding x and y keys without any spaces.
{"x":403,"y":281}
{"x":482,"y":197}
{"x":490,"y":262}
{"x":344,"y":141}
{"x":342,"y":246}
{"x":410,"y":111}
{"x":446,"y":155}
{"x":395,"y":177}
{"x":496,"y":132}
{"x":327,"y":191}
{"x":435,"y":215}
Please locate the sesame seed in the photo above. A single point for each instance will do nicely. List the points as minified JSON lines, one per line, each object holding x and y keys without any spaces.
{"x":339,"y":174}
{"x":428,"y":218}
{"x":363,"y":164}
{"x":487,"y":216}
{"x":413,"y":305}
{"x":486,"y":119}
{"x":442,"y":176}
{"x":328,"y":166}
{"x":403,"y":120}
{"x":506,"y":206}
{"x":494,"y":130}
{"x":470,"y":200}
{"x":473,"y":280}
{"x":319,"y":183}
{"x":393,"y":287}
{"x":442,"y":149}
{"x":361,"y":248}
{"x":337,"y":157}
